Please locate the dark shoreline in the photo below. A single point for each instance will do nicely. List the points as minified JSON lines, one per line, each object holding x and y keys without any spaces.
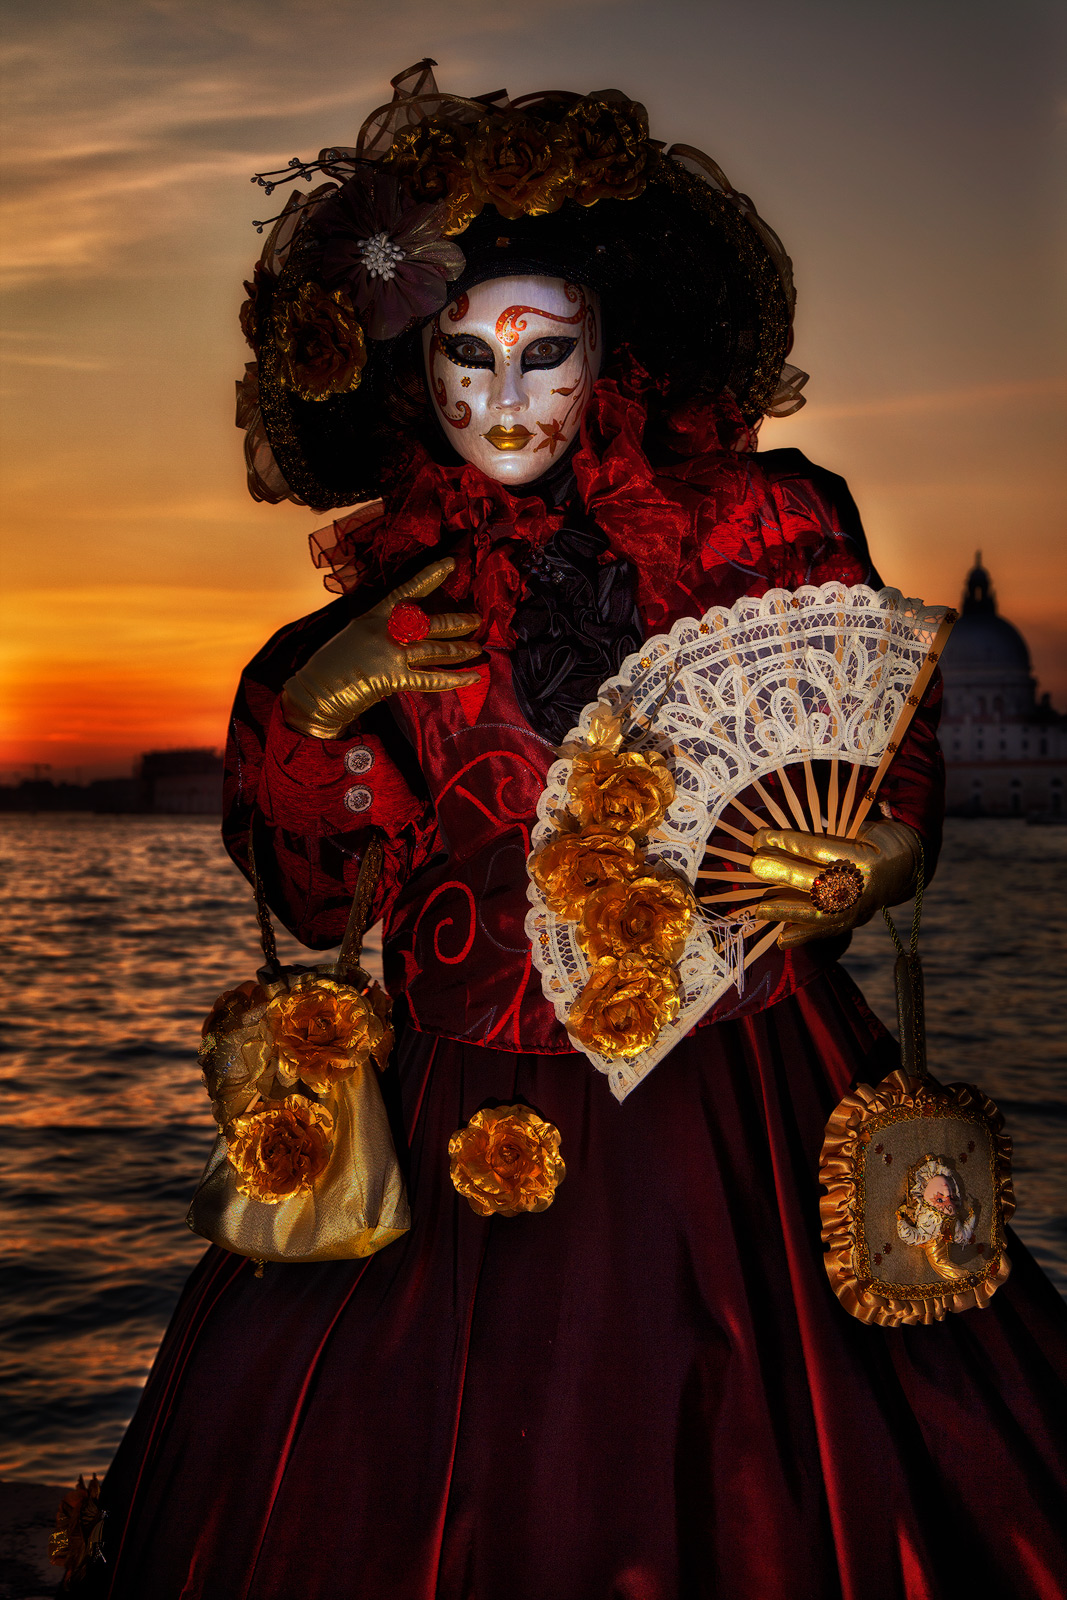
{"x":27,"y":1518}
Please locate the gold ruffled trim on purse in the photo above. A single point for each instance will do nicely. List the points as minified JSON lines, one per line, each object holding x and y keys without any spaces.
{"x":888,"y":1264}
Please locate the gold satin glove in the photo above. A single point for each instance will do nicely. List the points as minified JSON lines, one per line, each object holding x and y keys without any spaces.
{"x":880,"y":870}
{"x":363,"y":664}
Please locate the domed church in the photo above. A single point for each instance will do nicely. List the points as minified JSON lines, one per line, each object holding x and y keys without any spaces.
{"x":1005,"y":750}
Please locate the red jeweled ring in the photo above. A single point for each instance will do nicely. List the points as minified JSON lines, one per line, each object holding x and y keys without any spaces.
{"x":408,"y":623}
{"x":837,"y":887}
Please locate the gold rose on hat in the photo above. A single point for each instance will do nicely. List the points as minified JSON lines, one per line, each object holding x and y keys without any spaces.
{"x":506,"y":1161}
{"x":430,"y":159}
{"x":521,"y":165}
{"x":610,"y":149}
{"x":321,"y":349}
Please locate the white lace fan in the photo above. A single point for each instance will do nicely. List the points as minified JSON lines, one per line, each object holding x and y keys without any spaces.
{"x":787,"y":711}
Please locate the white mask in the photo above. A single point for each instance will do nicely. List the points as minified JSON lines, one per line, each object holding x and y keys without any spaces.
{"x":511,"y":366}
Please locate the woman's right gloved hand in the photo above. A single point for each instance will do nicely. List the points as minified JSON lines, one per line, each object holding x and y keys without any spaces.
{"x":363,"y":663}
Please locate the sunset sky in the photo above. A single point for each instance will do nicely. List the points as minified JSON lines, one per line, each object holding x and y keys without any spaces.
{"x":905,"y":150}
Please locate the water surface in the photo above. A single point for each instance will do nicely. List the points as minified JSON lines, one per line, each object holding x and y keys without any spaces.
{"x":118,"y":933}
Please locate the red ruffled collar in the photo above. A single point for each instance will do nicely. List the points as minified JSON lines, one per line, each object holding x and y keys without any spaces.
{"x":426,"y":505}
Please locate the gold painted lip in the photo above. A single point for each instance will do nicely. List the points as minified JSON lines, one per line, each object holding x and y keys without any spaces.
{"x":508,"y":438}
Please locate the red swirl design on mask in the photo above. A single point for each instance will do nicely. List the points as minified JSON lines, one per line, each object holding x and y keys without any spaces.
{"x":512,"y":321}
{"x":440,"y":393}
{"x":459,"y":309}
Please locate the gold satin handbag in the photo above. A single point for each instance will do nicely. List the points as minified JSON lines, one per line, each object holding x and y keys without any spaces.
{"x":918,"y":1183}
{"x":304,"y":1167}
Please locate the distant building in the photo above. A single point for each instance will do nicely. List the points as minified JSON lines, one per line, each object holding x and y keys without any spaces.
{"x":182,"y":782}
{"x":171,"y":782}
{"x":1005,"y":750}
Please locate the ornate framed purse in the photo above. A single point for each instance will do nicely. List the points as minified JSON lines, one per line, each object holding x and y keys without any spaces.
{"x":918,"y":1183}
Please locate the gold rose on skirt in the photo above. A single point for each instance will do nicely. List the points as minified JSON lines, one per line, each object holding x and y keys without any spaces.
{"x":506,"y":1161}
{"x":633,"y":916}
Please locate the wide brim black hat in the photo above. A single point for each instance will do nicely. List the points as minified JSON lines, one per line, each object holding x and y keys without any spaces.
{"x":693,"y":286}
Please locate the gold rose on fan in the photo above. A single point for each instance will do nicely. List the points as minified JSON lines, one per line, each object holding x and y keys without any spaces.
{"x":322,"y":1031}
{"x":570,"y":865}
{"x":506,"y":1161}
{"x":626,"y":790}
{"x":624,"y":1005}
{"x":280,"y":1149}
{"x":649,"y":915}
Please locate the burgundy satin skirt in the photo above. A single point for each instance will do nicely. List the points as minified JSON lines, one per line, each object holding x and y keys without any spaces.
{"x":646,"y":1392}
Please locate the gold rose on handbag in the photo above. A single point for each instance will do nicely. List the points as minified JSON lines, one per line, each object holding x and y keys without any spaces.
{"x":304,"y":1167}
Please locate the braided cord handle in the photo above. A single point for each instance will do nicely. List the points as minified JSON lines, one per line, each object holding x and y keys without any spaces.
{"x":370,"y":871}
{"x":348,"y":967}
{"x":908,"y":977}
{"x":266,"y":927}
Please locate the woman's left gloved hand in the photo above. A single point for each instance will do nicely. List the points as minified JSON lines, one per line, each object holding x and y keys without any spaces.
{"x":850,"y":879}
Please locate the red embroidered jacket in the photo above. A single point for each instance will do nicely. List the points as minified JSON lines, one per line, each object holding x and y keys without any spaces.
{"x":454,"y":779}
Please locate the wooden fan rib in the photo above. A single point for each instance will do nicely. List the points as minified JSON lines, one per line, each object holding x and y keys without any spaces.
{"x":814,"y":803}
{"x":719,"y":854}
{"x":729,"y":877}
{"x":725,"y":899}
{"x":847,"y":803}
{"x":764,"y":944}
{"x":903,"y":722}
{"x":735,"y":833}
{"x":831,"y":798}
{"x":750,"y":816}
{"x":772,"y":805}
{"x":792,"y":800}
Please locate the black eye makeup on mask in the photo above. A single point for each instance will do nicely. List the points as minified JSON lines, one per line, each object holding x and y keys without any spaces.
{"x":540,"y":355}
{"x":466,"y":350}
